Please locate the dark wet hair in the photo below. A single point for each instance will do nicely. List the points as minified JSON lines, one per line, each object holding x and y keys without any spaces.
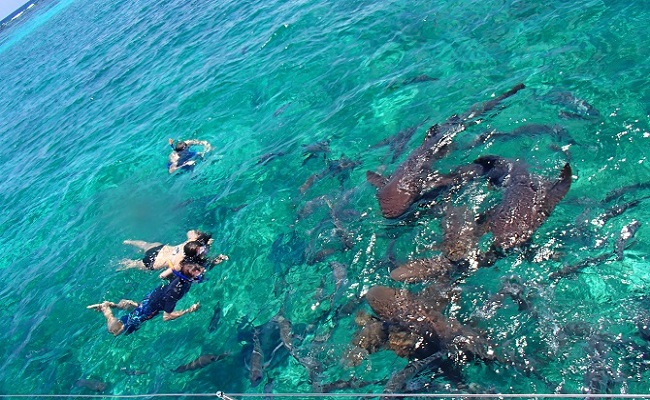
{"x":189,"y":265}
{"x":180,"y":146}
{"x":191,"y":251}
{"x":203,"y":237}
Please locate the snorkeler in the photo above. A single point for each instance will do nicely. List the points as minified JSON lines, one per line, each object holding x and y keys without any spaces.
{"x":182,"y":157}
{"x":159,"y":256}
{"x":163,"y":298}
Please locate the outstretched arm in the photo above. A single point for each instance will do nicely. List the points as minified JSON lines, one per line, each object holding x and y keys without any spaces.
{"x":175,"y":314}
{"x":217,"y":260}
{"x":204,"y":143}
{"x":167,"y":273}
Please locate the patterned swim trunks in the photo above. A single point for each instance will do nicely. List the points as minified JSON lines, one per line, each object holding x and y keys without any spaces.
{"x":135,"y":318}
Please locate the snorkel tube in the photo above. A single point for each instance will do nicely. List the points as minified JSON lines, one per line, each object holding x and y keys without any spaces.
{"x":198,"y":279}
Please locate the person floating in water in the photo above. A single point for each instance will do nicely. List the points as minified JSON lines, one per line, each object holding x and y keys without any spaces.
{"x":163,"y":298}
{"x":158,"y":255}
{"x":164,"y":256}
{"x":183,"y":157}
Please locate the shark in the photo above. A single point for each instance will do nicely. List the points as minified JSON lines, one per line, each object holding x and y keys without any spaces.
{"x":527,"y":199}
{"x":415,"y":176}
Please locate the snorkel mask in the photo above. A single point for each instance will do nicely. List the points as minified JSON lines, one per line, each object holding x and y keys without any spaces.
{"x":198,"y":279}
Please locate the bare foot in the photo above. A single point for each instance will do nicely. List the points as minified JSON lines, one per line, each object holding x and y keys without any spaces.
{"x":101,"y":306}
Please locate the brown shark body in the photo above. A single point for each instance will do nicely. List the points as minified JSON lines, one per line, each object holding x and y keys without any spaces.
{"x":527,"y":200}
{"x":414,"y":177}
{"x":418,"y":316}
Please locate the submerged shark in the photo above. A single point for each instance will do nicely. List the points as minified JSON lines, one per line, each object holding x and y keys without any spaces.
{"x":398,"y":141}
{"x":433,"y":331}
{"x":527,"y":200}
{"x":414,"y":177}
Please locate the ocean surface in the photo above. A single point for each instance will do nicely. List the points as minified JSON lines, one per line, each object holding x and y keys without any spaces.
{"x":92,"y":91}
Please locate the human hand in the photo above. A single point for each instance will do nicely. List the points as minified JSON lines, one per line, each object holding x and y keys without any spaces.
{"x":193,"y":307}
{"x":222,"y":257}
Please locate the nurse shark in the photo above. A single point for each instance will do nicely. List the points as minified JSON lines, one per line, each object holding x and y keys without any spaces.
{"x":415,"y":176}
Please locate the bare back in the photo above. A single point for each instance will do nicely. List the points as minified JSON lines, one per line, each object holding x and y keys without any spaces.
{"x":167,"y":254}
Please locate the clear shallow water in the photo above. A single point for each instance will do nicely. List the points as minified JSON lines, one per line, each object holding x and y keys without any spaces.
{"x":92,"y":92}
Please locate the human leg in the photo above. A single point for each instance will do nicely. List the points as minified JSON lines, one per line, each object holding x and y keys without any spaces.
{"x":127,"y":264}
{"x":147,"y":262}
{"x":141,"y":244}
{"x":125,"y":304}
{"x":114,"y":325}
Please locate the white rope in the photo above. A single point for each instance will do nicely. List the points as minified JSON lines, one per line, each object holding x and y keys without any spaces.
{"x":110,"y":396}
{"x":233,"y":396}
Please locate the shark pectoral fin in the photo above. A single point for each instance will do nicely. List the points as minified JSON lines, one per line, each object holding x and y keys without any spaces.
{"x":431,"y":132}
{"x":560,"y":188}
{"x":376,"y":180}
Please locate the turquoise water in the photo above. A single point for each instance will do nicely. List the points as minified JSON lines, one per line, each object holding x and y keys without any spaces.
{"x":93,"y":90}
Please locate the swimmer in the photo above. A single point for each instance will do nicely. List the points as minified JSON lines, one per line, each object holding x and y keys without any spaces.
{"x":163,"y":298}
{"x":168,"y":257}
{"x":200,"y":258}
{"x":184,"y":158}
{"x":158,"y":255}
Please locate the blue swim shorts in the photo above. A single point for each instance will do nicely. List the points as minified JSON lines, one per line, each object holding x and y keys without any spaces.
{"x":135,"y":318}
